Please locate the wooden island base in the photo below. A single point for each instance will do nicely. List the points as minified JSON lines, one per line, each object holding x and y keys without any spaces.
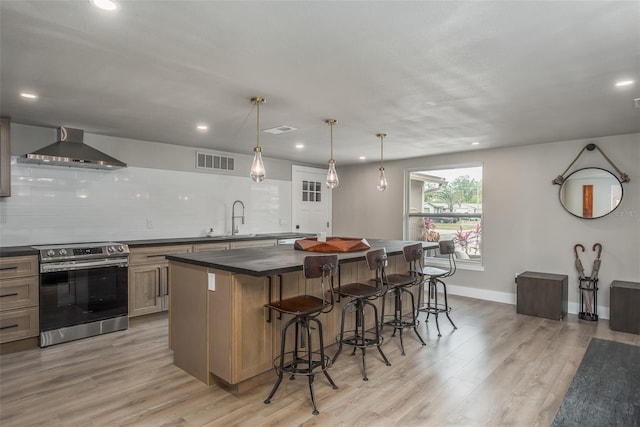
{"x":219,"y":330}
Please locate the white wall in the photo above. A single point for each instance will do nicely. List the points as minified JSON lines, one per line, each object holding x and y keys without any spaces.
{"x":62,"y":205}
{"x":161,"y":194}
{"x":145,"y":154}
{"x":524,"y":225}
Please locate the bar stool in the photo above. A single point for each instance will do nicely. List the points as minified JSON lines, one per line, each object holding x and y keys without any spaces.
{"x":361,"y":296}
{"x":434,"y":278}
{"x":303,"y":359}
{"x":399,"y":285}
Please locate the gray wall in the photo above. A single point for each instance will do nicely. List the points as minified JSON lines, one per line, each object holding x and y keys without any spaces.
{"x":145,"y":154}
{"x":524,"y":225}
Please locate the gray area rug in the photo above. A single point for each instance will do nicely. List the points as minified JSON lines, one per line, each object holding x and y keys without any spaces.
{"x":606,"y":388}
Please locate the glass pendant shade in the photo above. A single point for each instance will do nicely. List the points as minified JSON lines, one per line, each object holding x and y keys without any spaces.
{"x":257,"y":167}
{"x":382,"y":180}
{"x":332,"y":175}
{"x":257,"y":172}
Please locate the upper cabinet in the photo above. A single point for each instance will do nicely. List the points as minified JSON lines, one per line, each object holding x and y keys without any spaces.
{"x":5,"y":158}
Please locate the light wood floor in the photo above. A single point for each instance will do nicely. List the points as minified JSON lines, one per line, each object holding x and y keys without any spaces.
{"x":498,"y":368}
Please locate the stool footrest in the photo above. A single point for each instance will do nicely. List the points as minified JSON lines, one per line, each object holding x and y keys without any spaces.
{"x":300,"y":365}
{"x":356,"y":340}
{"x":400,"y":324}
{"x":435,"y":308}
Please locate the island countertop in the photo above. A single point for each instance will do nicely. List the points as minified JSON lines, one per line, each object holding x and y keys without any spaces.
{"x":279,"y":259}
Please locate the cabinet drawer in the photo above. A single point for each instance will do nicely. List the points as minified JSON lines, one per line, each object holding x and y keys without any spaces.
{"x":18,"y":324}
{"x":201,"y":247}
{"x":18,"y":293}
{"x":155,"y":254}
{"x":18,"y":266}
{"x":252,"y":244}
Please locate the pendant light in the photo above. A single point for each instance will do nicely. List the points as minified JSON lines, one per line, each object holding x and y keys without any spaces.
{"x":257,"y":167}
{"x":332,"y":175}
{"x":382,"y":180}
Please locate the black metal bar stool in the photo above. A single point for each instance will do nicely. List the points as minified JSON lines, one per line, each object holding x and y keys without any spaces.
{"x":434,"y":278}
{"x":303,"y":359}
{"x":399,"y":285}
{"x":361,"y":296}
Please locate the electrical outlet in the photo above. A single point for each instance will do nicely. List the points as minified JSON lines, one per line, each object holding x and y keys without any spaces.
{"x":149,"y":224}
{"x":211,"y":279}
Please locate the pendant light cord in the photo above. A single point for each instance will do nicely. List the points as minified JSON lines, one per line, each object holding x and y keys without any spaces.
{"x":331,"y":126}
{"x":258,"y":122}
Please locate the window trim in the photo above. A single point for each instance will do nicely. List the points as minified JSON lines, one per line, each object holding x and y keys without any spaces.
{"x":461,"y":264}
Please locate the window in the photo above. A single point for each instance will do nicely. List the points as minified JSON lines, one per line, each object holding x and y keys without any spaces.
{"x":445,"y":203}
{"x":311,"y":191}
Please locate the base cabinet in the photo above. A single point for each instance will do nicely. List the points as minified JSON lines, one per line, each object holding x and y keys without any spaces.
{"x":19,"y":298}
{"x":147,"y":292}
{"x":148,"y":272}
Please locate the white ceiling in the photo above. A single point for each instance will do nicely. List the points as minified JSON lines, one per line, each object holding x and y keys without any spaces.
{"x":434,"y":76}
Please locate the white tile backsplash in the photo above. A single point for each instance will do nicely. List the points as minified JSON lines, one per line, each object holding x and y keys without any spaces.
{"x":61,"y":205}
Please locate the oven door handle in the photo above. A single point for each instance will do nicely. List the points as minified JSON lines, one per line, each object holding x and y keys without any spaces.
{"x":83,"y":265}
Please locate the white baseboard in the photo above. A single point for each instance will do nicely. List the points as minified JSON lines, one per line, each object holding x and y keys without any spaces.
{"x":510,"y":298}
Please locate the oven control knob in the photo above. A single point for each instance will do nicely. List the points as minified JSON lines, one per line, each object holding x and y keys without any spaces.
{"x":120,"y":249}
{"x":111,"y":249}
{"x":51,"y":252}
{"x":62,"y":252}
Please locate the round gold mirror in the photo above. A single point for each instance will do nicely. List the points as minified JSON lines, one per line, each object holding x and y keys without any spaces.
{"x":591,"y":193}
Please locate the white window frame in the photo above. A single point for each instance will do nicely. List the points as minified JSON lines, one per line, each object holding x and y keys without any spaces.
{"x":477,"y":265}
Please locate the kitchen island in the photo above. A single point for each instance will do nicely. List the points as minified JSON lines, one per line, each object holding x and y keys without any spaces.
{"x":220,"y":331}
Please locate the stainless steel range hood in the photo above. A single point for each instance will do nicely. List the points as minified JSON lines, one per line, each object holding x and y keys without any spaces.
{"x":71,"y":151}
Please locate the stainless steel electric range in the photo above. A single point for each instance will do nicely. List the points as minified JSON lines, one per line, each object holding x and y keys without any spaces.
{"x":83,"y":290}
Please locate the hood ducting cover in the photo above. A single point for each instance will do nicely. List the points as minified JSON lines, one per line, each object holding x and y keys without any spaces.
{"x":70,"y":151}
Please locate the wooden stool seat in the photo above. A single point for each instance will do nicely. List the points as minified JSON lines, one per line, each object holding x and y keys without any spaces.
{"x":299,"y":305}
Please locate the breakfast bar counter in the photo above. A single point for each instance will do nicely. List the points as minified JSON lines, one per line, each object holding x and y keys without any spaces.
{"x":220,"y":331}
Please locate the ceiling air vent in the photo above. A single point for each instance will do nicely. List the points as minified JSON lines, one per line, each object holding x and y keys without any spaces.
{"x":214,"y":162}
{"x":279,"y":129}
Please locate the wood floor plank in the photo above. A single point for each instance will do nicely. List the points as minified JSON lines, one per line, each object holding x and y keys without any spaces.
{"x":498,"y":369}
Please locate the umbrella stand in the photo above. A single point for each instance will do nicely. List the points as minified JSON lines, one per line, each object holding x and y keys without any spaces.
{"x":589,"y":288}
{"x":588,"y":299}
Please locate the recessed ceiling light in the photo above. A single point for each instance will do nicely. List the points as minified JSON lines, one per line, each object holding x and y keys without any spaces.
{"x":299,"y":145}
{"x":105,"y":4}
{"x":475,"y":143}
{"x":202,"y":127}
{"x":29,"y":95}
{"x":623,"y":83}
{"x":363,"y":158}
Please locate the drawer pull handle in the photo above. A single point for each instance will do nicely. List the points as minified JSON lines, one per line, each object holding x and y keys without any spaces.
{"x":9,"y":295}
{"x":8,"y":327}
{"x":15,"y":267}
{"x":155,"y":256}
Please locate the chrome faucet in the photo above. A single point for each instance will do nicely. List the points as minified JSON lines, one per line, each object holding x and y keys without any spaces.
{"x":234,"y":227}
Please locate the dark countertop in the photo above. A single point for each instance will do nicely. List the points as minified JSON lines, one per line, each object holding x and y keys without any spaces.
{"x":205,"y":239}
{"x":279,"y":259}
{"x":10,"y":251}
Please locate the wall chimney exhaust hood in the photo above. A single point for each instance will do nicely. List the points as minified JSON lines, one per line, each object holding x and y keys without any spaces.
{"x":71,"y":151}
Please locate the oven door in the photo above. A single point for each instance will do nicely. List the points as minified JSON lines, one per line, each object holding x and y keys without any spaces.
{"x":82,"y":295}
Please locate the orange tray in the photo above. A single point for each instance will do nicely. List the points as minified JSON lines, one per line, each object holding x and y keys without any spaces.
{"x":333,"y":244}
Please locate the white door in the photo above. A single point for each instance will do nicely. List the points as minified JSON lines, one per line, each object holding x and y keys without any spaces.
{"x":310,"y":200}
